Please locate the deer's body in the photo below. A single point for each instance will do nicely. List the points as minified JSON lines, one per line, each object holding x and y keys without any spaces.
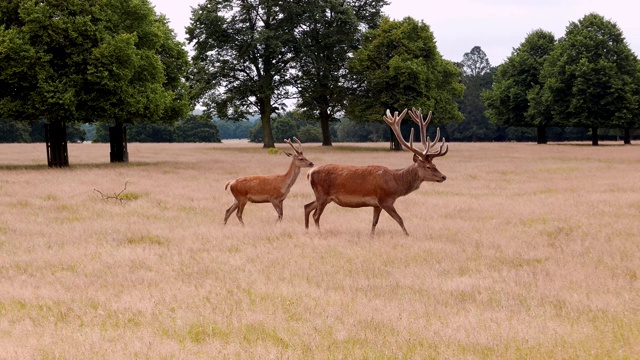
{"x":266,"y":188}
{"x":374,"y":186}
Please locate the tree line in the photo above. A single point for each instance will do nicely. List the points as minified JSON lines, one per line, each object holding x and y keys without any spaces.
{"x":116,"y":65}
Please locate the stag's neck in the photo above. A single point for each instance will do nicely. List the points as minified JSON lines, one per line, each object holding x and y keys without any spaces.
{"x":291,"y":175}
{"x":407,"y":179}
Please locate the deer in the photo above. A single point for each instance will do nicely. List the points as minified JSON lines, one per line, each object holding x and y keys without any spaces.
{"x":266,"y":188}
{"x":377,"y":186}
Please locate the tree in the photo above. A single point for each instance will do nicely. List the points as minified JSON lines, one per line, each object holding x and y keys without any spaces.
{"x":242,"y":57}
{"x":477,"y":76}
{"x":591,"y":78}
{"x":197,"y":128}
{"x":514,"y":99}
{"x":79,"y":61}
{"x":329,"y":33}
{"x":398,"y":67}
{"x":475,"y":63}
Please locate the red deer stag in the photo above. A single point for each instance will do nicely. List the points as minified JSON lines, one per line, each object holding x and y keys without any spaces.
{"x":377,"y":186}
{"x":266,"y":188}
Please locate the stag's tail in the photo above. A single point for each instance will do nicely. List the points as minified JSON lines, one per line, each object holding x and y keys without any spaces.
{"x":227,"y":185}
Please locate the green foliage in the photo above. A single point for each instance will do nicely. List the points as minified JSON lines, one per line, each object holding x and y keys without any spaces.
{"x":309,"y":133}
{"x":514,"y":98}
{"x":14,"y":132}
{"x":242,"y":64}
{"x":234,"y":129}
{"x":591,"y":78}
{"x":399,"y":67}
{"x":90,"y":60}
{"x":477,"y":76}
{"x":331,"y":31}
{"x":197,"y":128}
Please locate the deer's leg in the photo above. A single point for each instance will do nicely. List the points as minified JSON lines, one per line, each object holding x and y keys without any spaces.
{"x":319,"y":209}
{"x":241,"y":205}
{"x":308,"y":208}
{"x":230,"y":210}
{"x":376,"y":217}
{"x":394,"y":214}
{"x":278,"y":206}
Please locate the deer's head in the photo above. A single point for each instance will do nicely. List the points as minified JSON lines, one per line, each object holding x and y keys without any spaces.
{"x":299,"y":159}
{"x":422,"y":158}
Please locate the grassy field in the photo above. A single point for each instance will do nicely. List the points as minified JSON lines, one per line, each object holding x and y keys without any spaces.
{"x":526,"y":251}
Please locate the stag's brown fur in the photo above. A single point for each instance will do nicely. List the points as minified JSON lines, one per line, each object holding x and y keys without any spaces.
{"x":375,"y":186}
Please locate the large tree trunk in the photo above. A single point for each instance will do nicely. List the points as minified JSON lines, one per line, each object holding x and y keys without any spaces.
{"x":55,"y":135}
{"x":265,"y":117}
{"x":118,"y":142}
{"x":324,"y":124}
{"x":542,"y":134}
{"x":594,"y":136}
{"x":627,"y":136}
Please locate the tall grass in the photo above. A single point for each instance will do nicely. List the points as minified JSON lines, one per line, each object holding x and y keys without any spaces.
{"x":526,"y":251}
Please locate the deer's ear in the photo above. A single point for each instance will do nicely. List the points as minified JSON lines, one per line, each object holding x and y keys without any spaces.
{"x":288,"y":154}
{"x":416,"y":158}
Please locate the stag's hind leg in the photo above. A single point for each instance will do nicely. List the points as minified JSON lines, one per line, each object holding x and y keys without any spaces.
{"x":308,"y":208}
{"x":241,"y":205}
{"x":230,"y":211}
{"x":320,"y":205}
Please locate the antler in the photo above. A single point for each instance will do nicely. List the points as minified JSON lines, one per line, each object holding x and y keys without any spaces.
{"x":299,"y":152}
{"x":416,"y":116}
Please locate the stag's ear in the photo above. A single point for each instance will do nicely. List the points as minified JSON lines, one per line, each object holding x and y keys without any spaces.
{"x":416,"y":158}
{"x":288,"y":154}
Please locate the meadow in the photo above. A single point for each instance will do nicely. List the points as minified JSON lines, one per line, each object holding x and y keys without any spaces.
{"x":525,"y":252}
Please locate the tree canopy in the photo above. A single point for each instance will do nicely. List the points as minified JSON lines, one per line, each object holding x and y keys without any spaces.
{"x":82,"y":61}
{"x":591,"y":78}
{"x":243,"y":53}
{"x":514,"y":98}
{"x":328,"y":34}
{"x":399,"y":66}
{"x":89,"y":60}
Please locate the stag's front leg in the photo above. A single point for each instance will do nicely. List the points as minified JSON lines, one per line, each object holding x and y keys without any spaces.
{"x":376,"y":217}
{"x":394,"y":214}
{"x":278,"y":206}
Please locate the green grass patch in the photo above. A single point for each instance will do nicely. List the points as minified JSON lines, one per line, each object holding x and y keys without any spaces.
{"x":145,"y":240}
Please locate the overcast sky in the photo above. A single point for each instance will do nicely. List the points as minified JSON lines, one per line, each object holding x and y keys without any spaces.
{"x":497,"y":26}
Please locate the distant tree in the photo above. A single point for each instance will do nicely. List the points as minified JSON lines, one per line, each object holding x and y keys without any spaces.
{"x":477,"y":76}
{"x":284,"y":127}
{"x":14,"y":132}
{"x":591,"y":78}
{"x":514,"y":98}
{"x":79,"y":61}
{"x":398,"y":67}
{"x":475,"y":63}
{"x":310,"y":133}
{"x":243,"y":57}
{"x":196,"y":128}
{"x":329,"y":33}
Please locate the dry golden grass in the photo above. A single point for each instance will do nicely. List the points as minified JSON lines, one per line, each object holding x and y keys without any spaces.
{"x":526,"y":251}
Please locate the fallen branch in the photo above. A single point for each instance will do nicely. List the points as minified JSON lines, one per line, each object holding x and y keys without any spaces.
{"x":115,"y":196}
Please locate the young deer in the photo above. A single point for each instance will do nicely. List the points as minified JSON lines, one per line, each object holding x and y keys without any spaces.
{"x":266,"y":188}
{"x":376,"y":186}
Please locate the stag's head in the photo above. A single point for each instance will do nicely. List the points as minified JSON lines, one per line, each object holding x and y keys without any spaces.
{"x":298,"y":158}
{"x":423,"y":158}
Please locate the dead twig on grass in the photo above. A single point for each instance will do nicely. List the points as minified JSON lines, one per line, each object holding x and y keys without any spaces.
{"x":116,"y":197}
